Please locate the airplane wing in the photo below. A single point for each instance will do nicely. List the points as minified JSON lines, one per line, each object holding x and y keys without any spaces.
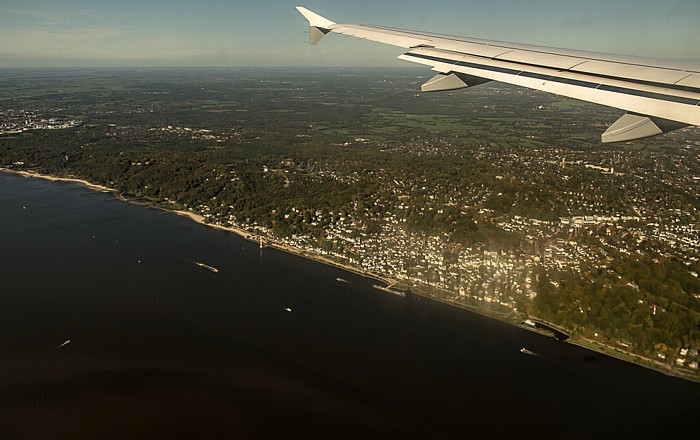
{"x":657,"y":96}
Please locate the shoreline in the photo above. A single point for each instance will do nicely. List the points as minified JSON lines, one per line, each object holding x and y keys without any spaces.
{"x":593,"y":346}
{"x":30,"y":173}
{"x":648,"y":363}
{"x":250,"y":236}
{"x":253,"y":237}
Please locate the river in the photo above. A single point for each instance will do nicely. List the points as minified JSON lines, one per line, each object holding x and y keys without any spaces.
{"x":270,"y":346}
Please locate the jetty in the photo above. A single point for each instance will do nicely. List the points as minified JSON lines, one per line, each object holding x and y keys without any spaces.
{"x":389,"y":290}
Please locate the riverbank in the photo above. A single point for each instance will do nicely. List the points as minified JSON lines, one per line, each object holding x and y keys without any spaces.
{"x":272,"y":243}
{"x":651,"y":364}
{"x":30,"y":173}
{"x":251,"y":236}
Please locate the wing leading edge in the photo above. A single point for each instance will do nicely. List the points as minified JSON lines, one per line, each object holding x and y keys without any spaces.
{"x":657,"y":96}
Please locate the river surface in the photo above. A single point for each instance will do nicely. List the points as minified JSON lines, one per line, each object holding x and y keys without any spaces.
{"x":162,"y":348}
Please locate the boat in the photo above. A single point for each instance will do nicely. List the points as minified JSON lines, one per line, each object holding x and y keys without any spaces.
{"x":340,"y":280}
{"x":206,"y":266}
{"x":525,"y":351}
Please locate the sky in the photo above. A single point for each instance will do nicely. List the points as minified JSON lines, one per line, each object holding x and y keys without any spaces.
{"x":97,"y":33}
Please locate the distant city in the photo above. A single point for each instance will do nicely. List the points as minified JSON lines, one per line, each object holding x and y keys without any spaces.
{"x":15,"y":122}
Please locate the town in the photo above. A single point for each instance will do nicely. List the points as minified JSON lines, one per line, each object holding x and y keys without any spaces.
{"x":15,"y":122}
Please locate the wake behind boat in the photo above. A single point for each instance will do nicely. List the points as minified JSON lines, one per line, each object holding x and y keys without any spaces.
{"x":206,"y":266}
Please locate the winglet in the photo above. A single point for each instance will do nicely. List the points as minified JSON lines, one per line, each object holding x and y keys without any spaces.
{"x":319,"y":26}
{"x":315,"y":20}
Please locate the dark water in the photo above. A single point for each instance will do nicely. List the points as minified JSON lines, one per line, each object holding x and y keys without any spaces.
{"x":161,"y":348}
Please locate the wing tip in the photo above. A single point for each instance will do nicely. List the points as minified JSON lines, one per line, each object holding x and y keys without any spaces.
{"x":314,"y":19}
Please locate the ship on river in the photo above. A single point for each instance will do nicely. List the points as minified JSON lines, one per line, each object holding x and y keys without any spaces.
{"x":206,"y":266}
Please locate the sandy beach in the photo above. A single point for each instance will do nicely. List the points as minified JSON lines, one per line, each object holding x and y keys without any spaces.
{"x":30,"y":173}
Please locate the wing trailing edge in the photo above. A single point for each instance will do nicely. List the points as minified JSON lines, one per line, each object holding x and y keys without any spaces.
{"x":658,"y":97}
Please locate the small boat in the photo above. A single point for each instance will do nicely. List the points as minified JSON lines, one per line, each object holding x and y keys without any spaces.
{"x":525,"y":351}
{"x":340,"y":280}
{"x":206,"y":266}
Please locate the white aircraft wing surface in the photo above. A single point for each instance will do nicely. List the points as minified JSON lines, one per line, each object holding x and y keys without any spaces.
{"x":658,"y":97}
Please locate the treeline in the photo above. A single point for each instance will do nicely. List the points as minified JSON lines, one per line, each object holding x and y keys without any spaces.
{"x":644,"y":302}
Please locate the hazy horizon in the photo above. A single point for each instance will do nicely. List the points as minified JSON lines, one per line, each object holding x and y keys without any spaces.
{"x":218,"y":33}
